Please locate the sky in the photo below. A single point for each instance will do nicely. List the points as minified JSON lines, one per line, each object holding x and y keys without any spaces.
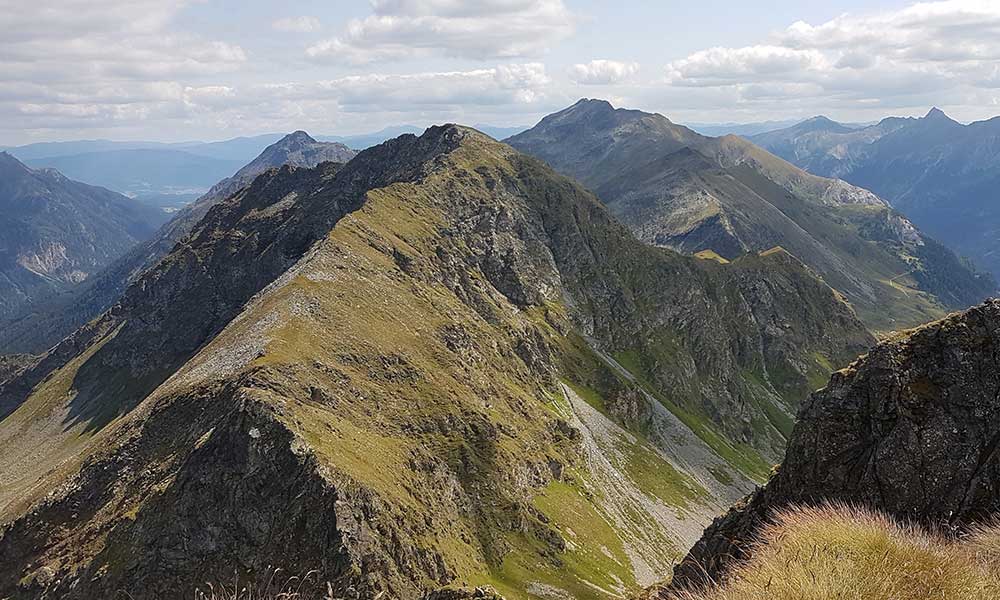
{"x":174,"y":70}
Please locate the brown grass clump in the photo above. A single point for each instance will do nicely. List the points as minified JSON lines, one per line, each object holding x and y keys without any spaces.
{"x":274,"y":586}
{"x":846,"y":553}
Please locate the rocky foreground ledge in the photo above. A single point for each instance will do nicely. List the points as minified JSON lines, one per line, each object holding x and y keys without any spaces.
{"x":912,"y":429}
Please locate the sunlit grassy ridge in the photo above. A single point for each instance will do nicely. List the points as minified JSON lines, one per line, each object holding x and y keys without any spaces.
{"x":838,"y":552}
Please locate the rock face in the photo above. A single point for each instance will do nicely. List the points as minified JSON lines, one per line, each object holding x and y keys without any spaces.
{"x":43,"y":323}
{"x":910,"y":429}
{"x":12,"y":364}
{"x":405,"y":374}
{"x":57,"y":232}
{"x":940,"y":173}
{"x":681,"y":190}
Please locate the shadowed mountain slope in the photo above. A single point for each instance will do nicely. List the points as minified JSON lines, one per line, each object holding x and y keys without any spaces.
{"x":57,"y":232}
{"x":941,"y":174}
{"x":439,"y":364}
{"x":676,"y":188}
{"x":43,"y":323}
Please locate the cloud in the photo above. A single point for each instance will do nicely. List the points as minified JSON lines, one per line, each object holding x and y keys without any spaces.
{"x":921,"y":54}
{"x":602,"y":72}
{"x":445,"y":92}
{"x":76,"y":41}
{"x":489,"y":29}
{"x":297,"y":24}
{"x":77,"y":63}
{"x":502,"y":94}
{"x":721,"y":65}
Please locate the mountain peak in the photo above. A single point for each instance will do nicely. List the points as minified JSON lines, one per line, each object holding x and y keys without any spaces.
{"x":9,"y":160}
{"x":936,"y":114}
{"x":298,"y":136}
{"x":590,"y":107}
{"x":595,"y":102}
{"x":822,"y":123}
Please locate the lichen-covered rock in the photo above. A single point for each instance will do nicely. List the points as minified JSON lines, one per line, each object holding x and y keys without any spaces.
{"x":912,"y":429}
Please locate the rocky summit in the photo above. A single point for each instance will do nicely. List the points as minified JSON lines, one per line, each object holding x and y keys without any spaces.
{"x":440,"y":370}
{"x":910,"y":429}
{"x":721,"y":198}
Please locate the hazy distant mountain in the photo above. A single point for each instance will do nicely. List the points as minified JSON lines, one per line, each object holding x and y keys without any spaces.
{"x":56,"y":232}
{"x":142,"y":170}
{"x":366,"y":140}
{"x":240,"y":149}
{"x":45,"y":322}
{"x":38,"y":150}
{"x":169,"y":175}
{"x":726,"y":197}
{"x":744,"y":129}
{"x":943,"y":175}
{"x":499,"y":133}
{"x":752,"y":129}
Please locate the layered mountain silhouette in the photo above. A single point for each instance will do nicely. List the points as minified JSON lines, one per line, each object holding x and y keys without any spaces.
{"x":725,"y":197}
{"x":57,"y":232}
{"x":941,"y":174}
{"x":46,"y":319}
{"x":439,"y":365}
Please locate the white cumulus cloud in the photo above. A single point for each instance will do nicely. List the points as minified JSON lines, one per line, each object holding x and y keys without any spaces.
{"x":603,"y":72}
{"x":489,"y":29}
{"x":304,"y":24}
{"x":927,"y":53}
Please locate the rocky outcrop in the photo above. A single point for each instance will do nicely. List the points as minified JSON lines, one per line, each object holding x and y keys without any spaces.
{"x":909,"y":429}
{"x":12,"y":364}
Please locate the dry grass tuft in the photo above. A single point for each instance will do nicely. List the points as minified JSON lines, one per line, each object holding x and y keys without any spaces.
{"x":846,"y":553}
{"x":273,"y":586}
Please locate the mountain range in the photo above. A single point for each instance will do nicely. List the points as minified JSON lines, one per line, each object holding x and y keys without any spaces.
{"x":47,"y":318}
{"x":446,"y":368}
{"x":940,"y":173}
{"x":57,"y":232}
{"x":170,"y":175}
{"x":441,"y":365}
{"x":725,"y":197}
